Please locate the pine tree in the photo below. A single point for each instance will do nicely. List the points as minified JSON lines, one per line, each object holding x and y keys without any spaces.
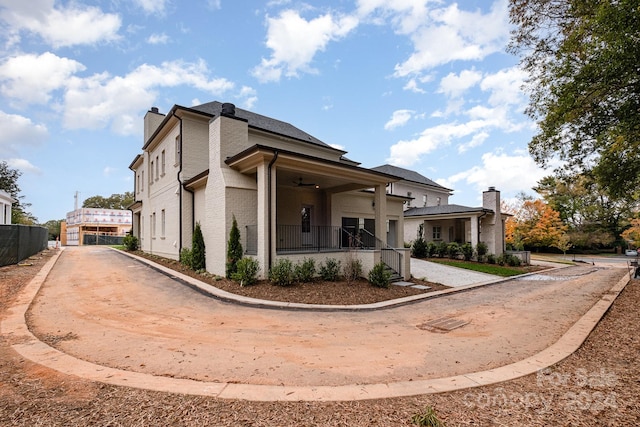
{"x":198,"y":249}
{"x":234,"y":249}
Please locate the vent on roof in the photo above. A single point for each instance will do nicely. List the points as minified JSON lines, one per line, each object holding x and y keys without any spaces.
{"x":155,"y":110}
{"x":228,"y":109}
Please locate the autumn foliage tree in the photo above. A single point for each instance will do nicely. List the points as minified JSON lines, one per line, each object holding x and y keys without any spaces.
{"x":536,"y":225}
{"x":632,"y":234}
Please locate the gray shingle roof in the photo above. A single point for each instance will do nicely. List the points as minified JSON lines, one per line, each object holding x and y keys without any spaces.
{"x":262,"y":122}
{"x":443,"y":210}
{"x":408,"y":175}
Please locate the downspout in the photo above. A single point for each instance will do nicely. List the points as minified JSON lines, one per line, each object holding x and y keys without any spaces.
{"x":479,"y":218}
{"x":180,"y":187}
{"x":269,"y":196}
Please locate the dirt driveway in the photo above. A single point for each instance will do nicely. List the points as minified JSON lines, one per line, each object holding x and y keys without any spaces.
{"x":101,"y":306}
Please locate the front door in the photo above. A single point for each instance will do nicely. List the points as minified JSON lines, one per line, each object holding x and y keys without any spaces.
{"x":306,"y":218}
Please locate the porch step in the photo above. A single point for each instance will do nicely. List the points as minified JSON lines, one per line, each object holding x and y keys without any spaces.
{"x":394,"y":274}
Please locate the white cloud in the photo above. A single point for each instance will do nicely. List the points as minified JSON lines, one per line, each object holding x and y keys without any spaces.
{"x":294,"y":42}
{"x":19,"y":132}
{"x":31,"y":78}
{"x":108,"y":171}
{"x":100,"y":100}
{"x":407,"y":152}
{"x":476,"y":141}
{"x":156,"y":7}
{"x":399,"y":118}
{"x":454,"y":85}
{"x":450,"y":34}
{"x":57,"y":25}
{"x":158,"y":39}
{"x":412,"y":85}
{"x":23,"y":165}
{"x":509,"y":173}
{"x":505,"y":87}
{"x":249,"y":96}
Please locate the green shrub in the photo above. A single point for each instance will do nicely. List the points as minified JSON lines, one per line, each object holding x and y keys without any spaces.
{"x":512,"y":260}
{"x":330,"y":270}
{"x":427,"y":418}
{"x":198,"y":250}
{"x":281,"y":272}
{"x":305,"y":271}
{"x":432,"y":249}
{"x":491,"y":259}
{"x":186,"y":257}
{"x":442,"y":249}
{"x":130,"y":242}
{"x":234,"y":249}
{"x":481,"y":250}
{"x":467,"y":251}
{"x":352,"y":269}
{"x":453,"y":250}
{"x":379,"y":276}
{"x":246,"y":271}
{"x":419,"y":247}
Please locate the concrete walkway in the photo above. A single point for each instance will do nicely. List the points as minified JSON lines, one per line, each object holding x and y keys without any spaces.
{"x":25,"y":343}
{"x":449,"y":276}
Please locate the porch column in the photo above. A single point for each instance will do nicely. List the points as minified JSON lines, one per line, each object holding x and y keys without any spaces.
{"x":263,"y":216}
{"x":474,"y":231}
{"x":380,"y":199}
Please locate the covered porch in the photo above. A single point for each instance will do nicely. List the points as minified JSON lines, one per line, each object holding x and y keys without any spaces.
{"x":311,"y":207}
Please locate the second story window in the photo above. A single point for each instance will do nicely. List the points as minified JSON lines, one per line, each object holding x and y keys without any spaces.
{"x":157,"y":168}
{"x":178,"y":147}
{"x":409,"y":195}
{"x":424,"y":201}
{"x":151,"y":173}
{"x":164,"y":162}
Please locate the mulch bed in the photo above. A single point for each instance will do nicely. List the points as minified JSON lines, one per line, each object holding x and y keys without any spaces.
{"x":317,"y":292}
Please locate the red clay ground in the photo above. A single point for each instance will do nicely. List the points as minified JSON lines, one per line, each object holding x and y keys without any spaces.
{"x":598,"y":383}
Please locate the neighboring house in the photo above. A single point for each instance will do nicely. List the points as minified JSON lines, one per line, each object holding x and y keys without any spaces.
{"x":444,"y":222}
{"x":293,"y":196}
{"x":93,"y":226}
{"x":5,"y":207}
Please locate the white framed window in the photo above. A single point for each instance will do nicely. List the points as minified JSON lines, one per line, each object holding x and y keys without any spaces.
{"x":151,"y":173}
{"x":164,"y":163}
{"x":162,"y":223}
{"x":178,"y":149}
{"x":153,"y":225}
{"x":424,"y":200}
{"x":437,"y":232}
{"x":409,"y":195}
{"x":142,"y":180}
{"x":438,"y":200}
{"x":157,"y":168}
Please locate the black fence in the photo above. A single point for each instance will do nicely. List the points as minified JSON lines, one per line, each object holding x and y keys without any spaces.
{"x":101,"y":239}
{"x":18,"y":242}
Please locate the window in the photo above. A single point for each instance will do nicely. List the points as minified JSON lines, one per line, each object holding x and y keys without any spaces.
{"x":306,"y":219}
{"x":178,"y":149}
{"x":157,"y":168}
{"x":164,"y":162}
{"x":162,"y":219}
{"x":409,"y":195}
{"x":153,"y":225}
{"x":438,"y":200}
{"x":151,"y":173}
{"x":142,"y":179}
{"x":138,"y":184}
{"x":437,"y":232}
{"x":424,"y":201}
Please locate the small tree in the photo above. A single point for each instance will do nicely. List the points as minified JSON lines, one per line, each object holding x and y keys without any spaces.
{"x":198,"y":250}
{"x":481,"y":250}
{"x":419,"y":247}
{"x":234,"y":249}
{"x":379,"y":276}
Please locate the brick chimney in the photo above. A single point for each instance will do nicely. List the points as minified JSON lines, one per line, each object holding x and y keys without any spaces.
{"x":152,"y":120}
{"x":492,"y":224}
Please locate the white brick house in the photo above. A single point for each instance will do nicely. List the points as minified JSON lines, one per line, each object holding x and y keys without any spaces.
{"x":5,"y":207}
{"x":428,"y":205}
{"x":292,"y":195}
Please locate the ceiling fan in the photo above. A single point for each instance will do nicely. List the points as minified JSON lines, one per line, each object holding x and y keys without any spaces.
{"x":301,"y":183}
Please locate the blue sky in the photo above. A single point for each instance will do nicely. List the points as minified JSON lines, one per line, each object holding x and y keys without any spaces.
{"x":421,"y":84}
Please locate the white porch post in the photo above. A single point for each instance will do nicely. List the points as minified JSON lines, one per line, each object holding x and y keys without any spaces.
{"x":263,"y":216}
{"x":380,"y":199}
{"x":474,"y":230}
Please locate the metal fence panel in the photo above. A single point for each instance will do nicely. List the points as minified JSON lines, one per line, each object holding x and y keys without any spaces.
{"x":18,"y":242}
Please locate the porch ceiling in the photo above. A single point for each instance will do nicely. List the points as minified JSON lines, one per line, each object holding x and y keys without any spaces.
{"x":293,"y":169}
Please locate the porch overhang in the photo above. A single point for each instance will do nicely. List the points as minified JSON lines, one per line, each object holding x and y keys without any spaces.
{"x":332,"y":176}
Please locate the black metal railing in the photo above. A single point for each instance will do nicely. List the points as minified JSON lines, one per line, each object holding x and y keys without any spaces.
{"x":388,"y":255}
{"x":317,"y":238}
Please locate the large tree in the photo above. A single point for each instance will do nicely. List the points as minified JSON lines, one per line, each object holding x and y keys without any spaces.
{"x":9,"y":183}
{"x":115,"y":201}
{"x":535,"y":224}
{"x":582,"y":57}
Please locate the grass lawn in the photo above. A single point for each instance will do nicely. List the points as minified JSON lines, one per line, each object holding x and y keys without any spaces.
{"x":498,"y":270}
